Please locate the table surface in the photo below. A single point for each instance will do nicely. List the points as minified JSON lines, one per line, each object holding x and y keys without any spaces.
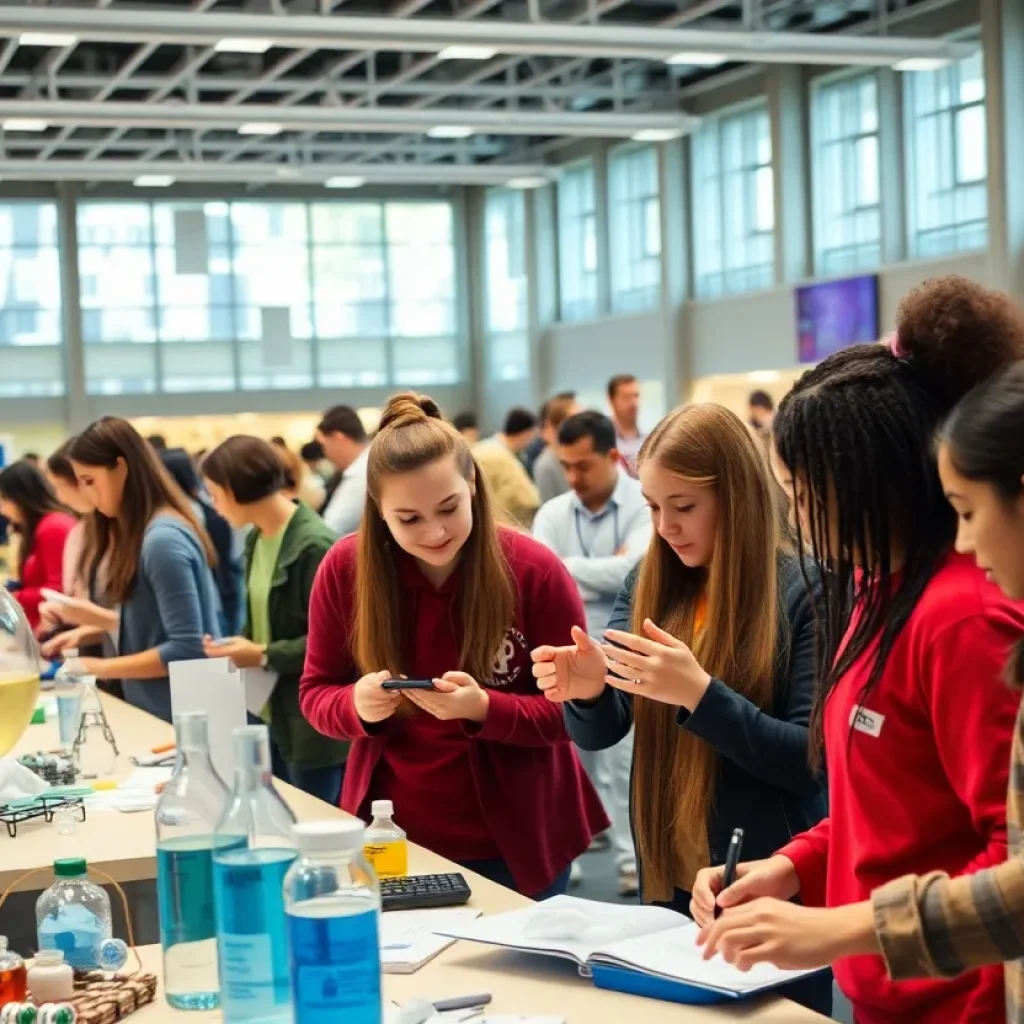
{"x":124,"y":846}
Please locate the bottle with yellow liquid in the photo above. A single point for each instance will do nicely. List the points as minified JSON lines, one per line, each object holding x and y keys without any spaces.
{"x":19,"y":672}
{"x":386,"y":848}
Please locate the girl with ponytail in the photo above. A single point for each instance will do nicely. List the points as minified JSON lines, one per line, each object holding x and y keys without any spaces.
{"x":480,"y":768}
{"x":915,"y":720}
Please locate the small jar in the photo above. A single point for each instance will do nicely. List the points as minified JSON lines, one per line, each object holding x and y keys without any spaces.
{"x":50,"y":980}
{"x":12,"y":975}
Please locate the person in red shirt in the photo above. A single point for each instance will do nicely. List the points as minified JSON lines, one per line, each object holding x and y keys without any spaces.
{"x":43,"y":524}
{"x":916,"y":719}
{"x":480,"y":769}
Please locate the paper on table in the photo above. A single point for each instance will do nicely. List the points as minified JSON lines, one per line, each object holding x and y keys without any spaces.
{"x":137,"y":793}
{"x":408,"y":938}
{"x":259,"y":685}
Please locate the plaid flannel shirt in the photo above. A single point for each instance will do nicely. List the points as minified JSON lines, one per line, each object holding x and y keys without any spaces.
{"x":937,"y":926}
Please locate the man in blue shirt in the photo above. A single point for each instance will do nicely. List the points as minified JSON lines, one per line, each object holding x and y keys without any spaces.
{"x":600,"y":529}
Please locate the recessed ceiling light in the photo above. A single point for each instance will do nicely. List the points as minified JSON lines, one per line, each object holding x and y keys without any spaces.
{"x":47,"y":39}
{"x":260,"y":128}
{"x":242,"y":45}
{"x":287,"y":173}
{"x":467,"y":52}
{"x":697,"y":58}
{"x":922,"y":63}
{"x":25,"y":124}
{"x":345,"y":181}
{"x":154,"y":180}
{"x":450,"y":131}
{"x":656,"y":134}
{"x":535,"y":181}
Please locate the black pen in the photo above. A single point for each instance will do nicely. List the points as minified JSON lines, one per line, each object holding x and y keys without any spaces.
{"x":732,"y":860}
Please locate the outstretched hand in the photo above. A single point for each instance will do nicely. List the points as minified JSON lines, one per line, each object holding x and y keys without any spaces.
{"x":576,"y":672}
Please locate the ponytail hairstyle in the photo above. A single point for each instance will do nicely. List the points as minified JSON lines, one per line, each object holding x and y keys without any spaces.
{"x":25,"y":486}
{"x":984,"y":439}
{"x":674,"y":770}
{"x":857,"y":434}
{"x":413,"y":434}
{"x":148,"y":488}
{"x":59,"y":466}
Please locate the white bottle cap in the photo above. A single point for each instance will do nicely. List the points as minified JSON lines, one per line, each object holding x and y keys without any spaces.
{"x":383,"y":808}
{"x":324,"y":836}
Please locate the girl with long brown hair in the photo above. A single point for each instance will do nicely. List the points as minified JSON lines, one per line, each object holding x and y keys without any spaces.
{"x":479,"y":768}
{"x":158,"y":564}
{"x":711,"y":657}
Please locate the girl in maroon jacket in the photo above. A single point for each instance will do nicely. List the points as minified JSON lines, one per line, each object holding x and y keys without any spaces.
{"x":480,"y":769}
{"x":42,"y":523}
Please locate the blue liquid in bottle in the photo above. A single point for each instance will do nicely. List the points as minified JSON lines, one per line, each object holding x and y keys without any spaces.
{"x":248,"y":877}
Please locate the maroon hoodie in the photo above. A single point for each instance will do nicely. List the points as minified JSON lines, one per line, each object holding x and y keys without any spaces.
{"x":510,"y":788}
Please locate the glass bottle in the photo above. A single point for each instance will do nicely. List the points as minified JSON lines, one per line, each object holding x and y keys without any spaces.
{"x":95,"y":749}
{"x":254,"y":850}
{"x":13,"y":983}
{"x":19,"y":672}
{"x":332,"y":899}
{"x":67,"y":686}
{"x":186,"y":816}
{"x":73,"y":915}
{"x":387,"y":847}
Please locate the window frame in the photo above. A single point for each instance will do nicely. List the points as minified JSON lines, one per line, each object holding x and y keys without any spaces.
{"x":586,"y":302}
{"x":635,"y":211}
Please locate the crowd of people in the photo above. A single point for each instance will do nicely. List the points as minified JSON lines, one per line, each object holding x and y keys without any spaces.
{"x":807,"y":626}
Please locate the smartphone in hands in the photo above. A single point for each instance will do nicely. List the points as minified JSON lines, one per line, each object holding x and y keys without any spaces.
{"x":407,"y":684}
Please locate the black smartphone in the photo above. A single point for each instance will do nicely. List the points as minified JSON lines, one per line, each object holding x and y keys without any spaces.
{"x":407,"y":684}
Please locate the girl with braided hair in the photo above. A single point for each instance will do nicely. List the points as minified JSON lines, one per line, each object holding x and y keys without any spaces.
{"x":914,"y":719}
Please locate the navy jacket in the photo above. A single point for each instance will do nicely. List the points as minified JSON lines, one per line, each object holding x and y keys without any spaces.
{"x":765,"y":784}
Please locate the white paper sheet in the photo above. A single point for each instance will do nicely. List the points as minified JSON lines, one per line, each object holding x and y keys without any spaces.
{"x":259,"y":685}
{"x":409,"y":939}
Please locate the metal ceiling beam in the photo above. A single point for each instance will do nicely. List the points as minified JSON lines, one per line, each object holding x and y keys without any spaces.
{"x":388,"y":120}
{"x":265,"y":174}
{"x":434,"y":35}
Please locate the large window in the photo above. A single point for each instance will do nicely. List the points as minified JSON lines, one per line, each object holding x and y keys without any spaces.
{"x":577,"y":243}
{"x":847,"y":221}
{"x":734,"y":204}
{"x":506,"y":286}
{"x":30,"y":301}
{"x":217,"y":296}
{"x":947,"y":167}
{"x":635,"y":218}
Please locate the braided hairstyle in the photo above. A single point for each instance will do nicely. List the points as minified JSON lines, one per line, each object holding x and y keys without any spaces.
{"x":856,"y":433}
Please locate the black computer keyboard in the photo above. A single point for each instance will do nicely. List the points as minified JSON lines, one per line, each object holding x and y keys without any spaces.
{"x":417,"y":892}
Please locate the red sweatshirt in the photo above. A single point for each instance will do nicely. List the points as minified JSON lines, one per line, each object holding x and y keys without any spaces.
{"x":920,"y":783}
{"x":511,"y":788}
{"x":44,"y":566}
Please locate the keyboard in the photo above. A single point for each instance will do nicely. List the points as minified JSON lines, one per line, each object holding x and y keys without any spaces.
{"x":418,"y":892}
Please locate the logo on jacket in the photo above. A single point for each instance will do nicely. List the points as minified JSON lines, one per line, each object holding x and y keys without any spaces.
{"x":865,"y":721}
{"x":507,"y":662}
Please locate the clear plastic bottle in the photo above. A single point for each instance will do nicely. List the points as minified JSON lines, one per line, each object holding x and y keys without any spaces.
{"x":253,"y":853}
{"x":73,"y":915}
{"x":186,"y":816}
{"x":333,"y":903}
{"x":13,"y":984}
{"x":387,"y":848}
{"x":67,"y":686}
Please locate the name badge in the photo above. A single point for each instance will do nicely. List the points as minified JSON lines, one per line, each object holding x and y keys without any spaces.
{"x":865,"y":721}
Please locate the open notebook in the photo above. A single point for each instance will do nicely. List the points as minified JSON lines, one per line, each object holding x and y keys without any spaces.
{"x":651,"y":941}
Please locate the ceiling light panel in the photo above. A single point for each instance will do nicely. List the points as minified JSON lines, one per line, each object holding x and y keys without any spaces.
{"x":450,"y":131}
{"x":61,"y":39}
{"x":240,"y":45}
{"x":154,"y":180}
{"x":468,"y":52}
{"x":25,"y":124}
{"x":260,"y":128}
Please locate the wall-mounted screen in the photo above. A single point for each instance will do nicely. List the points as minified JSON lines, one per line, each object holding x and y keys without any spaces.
{"x":834,"y":314}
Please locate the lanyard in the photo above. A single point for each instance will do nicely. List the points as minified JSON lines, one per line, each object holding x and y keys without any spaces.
{"x":598,"y":520}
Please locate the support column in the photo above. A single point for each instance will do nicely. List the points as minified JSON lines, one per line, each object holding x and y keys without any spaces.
{"x":472,"y":271}
{"x":787,"y":111}
{"x":1002,"y":36}
{"x":542,"y":282}
{"x":891,"y":167}
{"x":673,"y":184}
{"x":602,"y":230}
{"x":76,"y":404}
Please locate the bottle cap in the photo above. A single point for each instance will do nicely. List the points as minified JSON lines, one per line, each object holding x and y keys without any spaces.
{"x":324,"y":836}
{"x":69,"y":867}
{"x":383,"y":809}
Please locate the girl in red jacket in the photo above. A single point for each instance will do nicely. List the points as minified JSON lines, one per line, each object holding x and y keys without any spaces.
{"x":480,"y":768}
{"x":42,"y":523}
{"x":916,"y":718}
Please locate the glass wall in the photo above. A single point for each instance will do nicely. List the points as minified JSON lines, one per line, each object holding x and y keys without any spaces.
{"x":847,"y":215}
{"x":217,"y":296}
{"x":577,"y":243}
{"x":635,"y":225}
{"x":31,"y":332}
{"x":733,"y":203}
{"x":947,"y":169}
{"x":506,"y":312}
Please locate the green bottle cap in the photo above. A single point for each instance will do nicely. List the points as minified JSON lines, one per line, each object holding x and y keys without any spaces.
{"x":69,"y":867}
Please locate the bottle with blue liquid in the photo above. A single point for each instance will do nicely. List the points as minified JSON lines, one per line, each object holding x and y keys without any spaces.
{"x":332,"y":899}
{"x":186,"y":816}
{"x":253,"y":854}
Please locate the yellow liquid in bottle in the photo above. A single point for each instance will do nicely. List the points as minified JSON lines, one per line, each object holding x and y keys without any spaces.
{"x":18,"y":693}
{"x":389,"y":859}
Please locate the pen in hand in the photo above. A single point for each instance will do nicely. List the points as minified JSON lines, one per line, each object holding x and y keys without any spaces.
{"x":732,"y":860}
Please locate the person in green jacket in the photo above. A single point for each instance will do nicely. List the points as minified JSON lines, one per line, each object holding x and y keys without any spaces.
{"x":283,"y":551}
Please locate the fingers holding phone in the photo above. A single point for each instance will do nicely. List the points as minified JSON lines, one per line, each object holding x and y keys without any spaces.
{"x":374,"y":703}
